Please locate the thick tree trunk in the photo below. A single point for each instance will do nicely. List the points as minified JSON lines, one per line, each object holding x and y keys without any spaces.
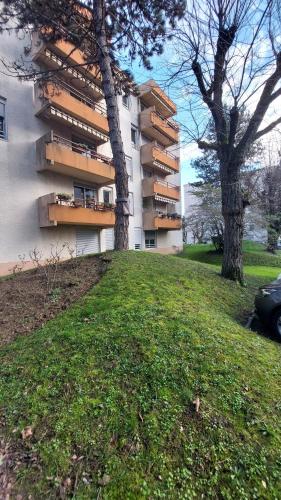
{"x":121,"y":176}
{"x":233,"y":214}
{"x":272,"y":239}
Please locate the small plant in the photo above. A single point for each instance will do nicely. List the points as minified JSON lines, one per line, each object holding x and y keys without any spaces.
{"x":19,"y":266}
{"x":63,"y":196}
{"x":77,"y":203}
{"x":55,"y":294}
{"x":49,"y":266}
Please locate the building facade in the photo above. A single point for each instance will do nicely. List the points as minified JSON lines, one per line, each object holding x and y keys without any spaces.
{"x":57,"y":173}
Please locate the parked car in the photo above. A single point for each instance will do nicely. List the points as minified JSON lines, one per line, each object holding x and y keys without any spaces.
{"x":268,"y":306}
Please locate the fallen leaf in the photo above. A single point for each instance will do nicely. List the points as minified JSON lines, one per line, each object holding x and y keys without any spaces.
{"x":27,"y":432}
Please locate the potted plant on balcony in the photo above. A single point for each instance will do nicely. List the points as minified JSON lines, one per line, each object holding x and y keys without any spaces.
{"x":108,"y":206}
{"x":77,"y":203}
{"x":63,"y":197}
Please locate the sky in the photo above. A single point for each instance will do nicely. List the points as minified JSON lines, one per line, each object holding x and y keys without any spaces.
{"x":250,"y":93}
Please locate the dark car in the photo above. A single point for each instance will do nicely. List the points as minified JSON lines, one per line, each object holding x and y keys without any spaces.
{"x":268,"y":306}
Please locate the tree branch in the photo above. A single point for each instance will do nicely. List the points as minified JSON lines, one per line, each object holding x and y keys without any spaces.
{"x":207,"y":145}
{"x":267,"y":129}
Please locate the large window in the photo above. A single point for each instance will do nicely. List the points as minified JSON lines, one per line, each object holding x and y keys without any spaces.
{"x":150,"y":239}
{"x":86,"y":195}
{"x":3,"y":119}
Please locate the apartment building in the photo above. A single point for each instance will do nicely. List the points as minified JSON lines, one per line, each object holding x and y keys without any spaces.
{"x":56,"y":167}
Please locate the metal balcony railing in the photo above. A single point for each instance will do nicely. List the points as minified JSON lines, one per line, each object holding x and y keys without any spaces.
{"x":168,"y":121}
{"x":80,"y":96}
{"x":166,"y":184}
{"x":82,"y":149}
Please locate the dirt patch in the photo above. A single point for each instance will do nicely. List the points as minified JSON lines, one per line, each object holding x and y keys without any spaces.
{"x":29,"y":299}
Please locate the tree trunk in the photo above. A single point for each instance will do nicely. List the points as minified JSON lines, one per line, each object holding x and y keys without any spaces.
{"x":108,"y":86}
{"x":233,"y":214}
{"x":272,"y":239}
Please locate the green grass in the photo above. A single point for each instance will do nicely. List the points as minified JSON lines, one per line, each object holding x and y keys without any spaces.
{"x":257,"y":262}
{"x":112,"y":381}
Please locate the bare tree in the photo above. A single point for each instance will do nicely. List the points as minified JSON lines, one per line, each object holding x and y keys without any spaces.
{"x":204,"y":217}
{"x":101,"y":29}
{"x":229,"y":53}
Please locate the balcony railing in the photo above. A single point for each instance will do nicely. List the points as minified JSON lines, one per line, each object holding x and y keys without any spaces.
{"x":157,"y":220}
{"x":66,"y":157}
{"x":151,"y":186}
{"x":80,"y":96}
{"x":53,"y":61}
{"x":82,"y":149}
{"x":157,"y":128}
{"x":155,"y":157}
{"x":151,"y":94}
{"x":55,"y":209}
{"x":56,"y":101}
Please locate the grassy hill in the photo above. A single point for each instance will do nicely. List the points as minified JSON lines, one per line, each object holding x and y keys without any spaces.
{"x":257,"y":262}
{"x":107,"y":390}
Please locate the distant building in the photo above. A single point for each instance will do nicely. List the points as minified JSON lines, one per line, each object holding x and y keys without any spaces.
{"x":254,"y":230}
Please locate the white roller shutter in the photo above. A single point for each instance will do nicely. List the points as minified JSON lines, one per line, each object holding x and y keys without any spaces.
{"x":109,"y":239}
{"x":87,"y":241}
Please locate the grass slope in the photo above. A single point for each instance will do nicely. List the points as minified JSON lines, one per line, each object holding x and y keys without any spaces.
{"x":108,"y":388}
{"x":257,"y":262}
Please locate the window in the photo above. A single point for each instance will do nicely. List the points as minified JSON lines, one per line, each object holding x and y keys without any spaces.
{"x":107,"y":196}
{"x":129,"y":166}
{"x":150,"y":239}
{"x":85,"y":195}
{"x":134,"y":136}
{"x":131,"y":203}
{"x":125,"y":100}
{"x":3,"y":119}
{"x":138,"y":238}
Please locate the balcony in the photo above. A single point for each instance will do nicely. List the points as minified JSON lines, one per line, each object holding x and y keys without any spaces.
{"x":160,"y":189}
{"x":68,"y":52}
{"x":44,"y":56}
{"x":153,"y":126}
{"x":154,"y":221}
{"x":63,"y":103}
{"x":54,"y":212}
{"x":69,"y":55}
{"x":59,"y":155}
{"x":152,"y":95}
{"x":156,"y":158}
